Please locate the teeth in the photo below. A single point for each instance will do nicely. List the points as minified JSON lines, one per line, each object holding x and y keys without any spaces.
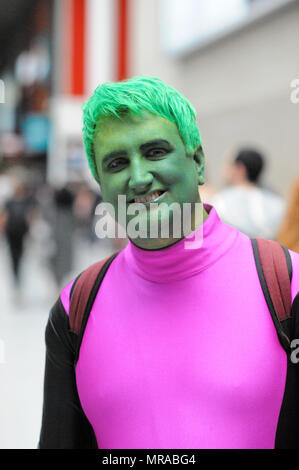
{"x":148,"y":198}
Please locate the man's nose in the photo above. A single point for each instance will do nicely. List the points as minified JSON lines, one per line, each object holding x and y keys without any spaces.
{"x":140,"y":177}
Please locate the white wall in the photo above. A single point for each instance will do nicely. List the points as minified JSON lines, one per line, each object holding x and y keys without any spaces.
{"x":239,"y":85}
{"x":100,"y":43}
{"x":146,"y":57}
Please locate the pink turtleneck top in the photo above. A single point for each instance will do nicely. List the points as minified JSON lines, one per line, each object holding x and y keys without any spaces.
{"x":180,"y":350}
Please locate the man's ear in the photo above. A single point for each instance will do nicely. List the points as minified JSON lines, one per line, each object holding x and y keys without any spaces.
{"x":199,"y":158}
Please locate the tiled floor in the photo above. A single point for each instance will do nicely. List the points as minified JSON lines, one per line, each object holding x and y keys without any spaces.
{"x":22,"y":349}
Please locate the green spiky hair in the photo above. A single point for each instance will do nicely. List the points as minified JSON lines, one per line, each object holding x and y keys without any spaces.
{"x":136,"y":95}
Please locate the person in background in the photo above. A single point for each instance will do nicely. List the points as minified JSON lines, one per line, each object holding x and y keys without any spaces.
{"x":62,"y":232}
{"x":84,"y":204}
{"x":288,"y":233}
{"x":244,"y":203}
{"x":6,"y":188}
{"x":17,"y":215}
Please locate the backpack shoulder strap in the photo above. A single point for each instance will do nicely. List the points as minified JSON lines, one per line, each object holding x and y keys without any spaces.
{"x":274,"y":267}
{"x":84,"y":292}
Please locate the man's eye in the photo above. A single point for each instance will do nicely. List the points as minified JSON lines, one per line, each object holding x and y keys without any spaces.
{"x":116,"y":163}
{"x":156,"y":153}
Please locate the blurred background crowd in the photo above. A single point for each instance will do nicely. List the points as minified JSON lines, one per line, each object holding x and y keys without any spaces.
{"x":235,"y":60}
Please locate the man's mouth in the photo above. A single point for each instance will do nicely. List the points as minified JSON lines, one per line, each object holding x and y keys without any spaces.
{"x":153,"y":197}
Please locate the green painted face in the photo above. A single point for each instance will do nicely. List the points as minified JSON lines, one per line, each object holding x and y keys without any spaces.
{"x":140,"y":155}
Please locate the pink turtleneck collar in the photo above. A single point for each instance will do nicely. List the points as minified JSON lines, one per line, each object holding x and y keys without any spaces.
{"x":176,"y":262}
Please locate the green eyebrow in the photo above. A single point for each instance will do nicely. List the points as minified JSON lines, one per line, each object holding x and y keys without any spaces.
{"x":155,"y":142}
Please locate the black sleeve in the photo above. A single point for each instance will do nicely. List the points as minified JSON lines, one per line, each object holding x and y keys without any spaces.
{"x":64,"y":424}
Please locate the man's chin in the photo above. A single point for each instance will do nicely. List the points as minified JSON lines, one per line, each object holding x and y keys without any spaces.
{"x":154,"y":243}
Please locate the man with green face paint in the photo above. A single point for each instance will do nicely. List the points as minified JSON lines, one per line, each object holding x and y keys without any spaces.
{"x":143,"y":155}
{"x":179,"y":350}
{"x":139,"y":145}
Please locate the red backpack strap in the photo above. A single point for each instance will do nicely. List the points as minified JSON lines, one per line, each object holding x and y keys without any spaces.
{"x":87,"y":283}
{"x":274,"y":268}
